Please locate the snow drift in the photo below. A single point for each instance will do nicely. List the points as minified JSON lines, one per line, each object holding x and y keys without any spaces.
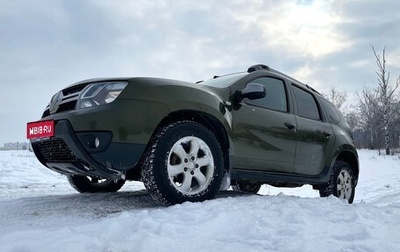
{"x":41,"y":212}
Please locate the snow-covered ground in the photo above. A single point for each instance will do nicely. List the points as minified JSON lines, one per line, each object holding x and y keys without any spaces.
{"x":39,"y":211}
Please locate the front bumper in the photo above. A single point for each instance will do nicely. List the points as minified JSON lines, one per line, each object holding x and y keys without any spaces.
{"x":86,"y":153}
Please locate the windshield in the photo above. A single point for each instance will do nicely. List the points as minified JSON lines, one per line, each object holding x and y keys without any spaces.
{"x":223,"y":81}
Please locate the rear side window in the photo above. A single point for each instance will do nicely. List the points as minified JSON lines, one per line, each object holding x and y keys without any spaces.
{"x":275,"y":98}
{"x":331,"y":111}
{"x":306,"y":104}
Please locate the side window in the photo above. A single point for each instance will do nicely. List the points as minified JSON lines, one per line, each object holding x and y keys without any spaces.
{"x":306,"y":105}
{"x":276,"y":94}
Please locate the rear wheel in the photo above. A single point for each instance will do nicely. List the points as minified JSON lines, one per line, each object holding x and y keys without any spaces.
{"x":85,"y":184}
{"x":341,"y":183}
{"x":184,"y":163}
{"x":246,"y":186}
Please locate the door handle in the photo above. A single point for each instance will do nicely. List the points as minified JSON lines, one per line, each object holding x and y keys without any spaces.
{"x":325,"y":133}
{"x":290,"y":126}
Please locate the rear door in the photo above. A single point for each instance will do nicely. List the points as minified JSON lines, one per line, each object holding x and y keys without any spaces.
{"x":264,"y":130}
{"x":315,"y":137}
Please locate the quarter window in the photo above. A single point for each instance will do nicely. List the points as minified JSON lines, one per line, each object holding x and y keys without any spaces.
{"x":276,"y":94}
{"x":331,"y":111}
{"x":306,"y":104}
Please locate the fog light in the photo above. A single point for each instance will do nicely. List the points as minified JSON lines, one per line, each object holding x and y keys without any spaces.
{"x":96,"y":142}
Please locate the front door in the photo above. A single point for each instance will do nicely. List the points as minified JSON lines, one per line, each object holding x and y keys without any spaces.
{"x":264,"y":130}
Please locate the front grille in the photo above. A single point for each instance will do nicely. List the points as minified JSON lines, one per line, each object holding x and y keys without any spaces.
{"x":57,"y":151}
{"x":68,"y":106}
{"x":69,"y":98}
{"x":73,"y":90}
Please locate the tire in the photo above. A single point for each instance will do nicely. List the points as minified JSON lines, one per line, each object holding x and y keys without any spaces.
{"x":245,"y":186}
{"x":85,"y":184}
{"x":183,"y":163}
{"x":341,"y":183}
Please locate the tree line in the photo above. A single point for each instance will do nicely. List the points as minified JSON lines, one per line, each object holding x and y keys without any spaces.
{"x":375,"y":120}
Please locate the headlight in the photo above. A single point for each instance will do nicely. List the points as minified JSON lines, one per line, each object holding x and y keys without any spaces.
{"x":100,"y":93}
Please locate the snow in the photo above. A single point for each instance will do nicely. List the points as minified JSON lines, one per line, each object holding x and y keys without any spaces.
{"x":39,"y":211}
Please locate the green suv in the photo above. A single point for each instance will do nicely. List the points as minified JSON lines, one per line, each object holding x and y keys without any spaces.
{"x":187,"y":141}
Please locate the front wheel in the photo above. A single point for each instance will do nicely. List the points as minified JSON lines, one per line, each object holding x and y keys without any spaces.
{"x":184,"y":163}
{"x":341,"y":183}
{"x":85,"y":184}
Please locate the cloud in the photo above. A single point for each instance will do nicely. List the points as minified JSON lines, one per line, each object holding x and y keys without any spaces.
{"x":48,"y":44}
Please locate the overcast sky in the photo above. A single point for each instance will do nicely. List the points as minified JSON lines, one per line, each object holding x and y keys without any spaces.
{"x":46,"y":45}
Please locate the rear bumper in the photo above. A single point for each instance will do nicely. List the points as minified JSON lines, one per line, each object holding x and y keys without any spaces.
{"x":86,"y":153}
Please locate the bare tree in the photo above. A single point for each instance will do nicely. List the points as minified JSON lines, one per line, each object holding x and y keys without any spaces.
{"x":369,"y":115}
{"x":336,"y":97}
{"x":353,"y":120}
{"x":385,"y":94}
{"x":396,"y":124}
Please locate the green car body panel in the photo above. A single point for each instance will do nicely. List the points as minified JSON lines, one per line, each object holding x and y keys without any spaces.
{"x":276,"y":147}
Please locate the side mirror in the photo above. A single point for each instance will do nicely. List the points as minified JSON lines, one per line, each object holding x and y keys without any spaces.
{"x":252,"y":91}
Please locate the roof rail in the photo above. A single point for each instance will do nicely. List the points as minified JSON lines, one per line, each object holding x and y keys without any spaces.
{"x":257,"y":67}
{"x":312,"y":89}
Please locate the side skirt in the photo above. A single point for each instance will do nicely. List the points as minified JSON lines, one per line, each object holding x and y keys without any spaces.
{"x":280,"y":179}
